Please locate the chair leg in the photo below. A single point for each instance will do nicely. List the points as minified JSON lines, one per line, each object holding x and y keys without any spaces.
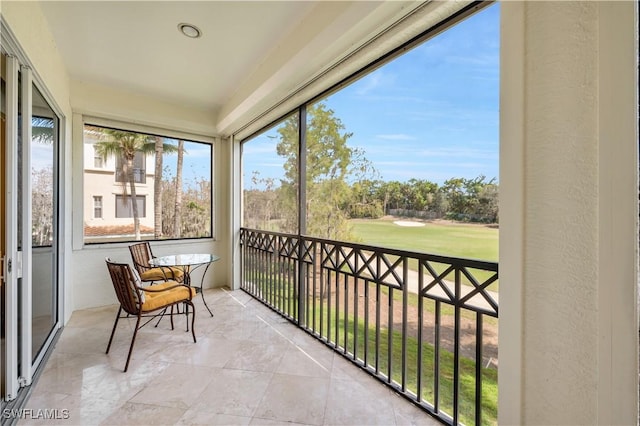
{"x":113,"y":331}
{"x":133,"y":340}
{"x":161,"y":316}
{"x":171,"y":317}
{"x":186,"y":312}
{"x":193,"y":319}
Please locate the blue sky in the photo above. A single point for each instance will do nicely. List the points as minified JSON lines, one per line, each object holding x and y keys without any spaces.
{"x":196,"y":162}
{"x":430,"y":114}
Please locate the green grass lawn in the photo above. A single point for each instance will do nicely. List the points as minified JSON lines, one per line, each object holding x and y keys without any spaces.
{"x":469,"y":241}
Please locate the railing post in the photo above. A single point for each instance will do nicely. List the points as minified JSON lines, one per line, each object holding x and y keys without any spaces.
{"x":301,"y":284}
{"x":302,"y":217}
{"x":456,"y":347}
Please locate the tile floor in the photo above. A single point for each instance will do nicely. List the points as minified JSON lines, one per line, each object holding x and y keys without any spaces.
{"x":249,"y":367}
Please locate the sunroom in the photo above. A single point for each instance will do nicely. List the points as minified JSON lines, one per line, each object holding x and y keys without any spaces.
{"x":205,"y":82}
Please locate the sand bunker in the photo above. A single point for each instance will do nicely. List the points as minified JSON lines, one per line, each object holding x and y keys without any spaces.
{"x":408,"y":223}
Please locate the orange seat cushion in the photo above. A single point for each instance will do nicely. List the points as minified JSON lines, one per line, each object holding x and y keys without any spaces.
{"x":159,"y":274}
{"x":156,"y":300}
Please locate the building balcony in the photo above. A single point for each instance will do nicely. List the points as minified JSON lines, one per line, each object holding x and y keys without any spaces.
{"x":318,"y":331}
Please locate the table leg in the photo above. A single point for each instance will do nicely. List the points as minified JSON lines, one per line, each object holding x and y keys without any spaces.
{"x":202,"y":290}
{"x":187,"y":281}
{"x":187,"y":275}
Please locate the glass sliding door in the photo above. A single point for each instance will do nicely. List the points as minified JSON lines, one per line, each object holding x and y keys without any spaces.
{"x":3,"y":120}
{"x":43,"y":235}
{"x":29,"y":231}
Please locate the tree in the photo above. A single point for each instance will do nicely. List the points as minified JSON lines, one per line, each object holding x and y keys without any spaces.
{"x":42,"y":207}
{"x":488,"y":202}
{"x":329,"y":162}
{"x":177,"y":217}
{"x":195,"y":209}
{"x":456,"y":200}
{"x":124,"y":145}
{"x":363,"y":202}
{"x":42,"y":132}
{"x":471,"y":199}
{"x":259,"y":203}
{"x":393,"y":195}
{"x":157,"y":190}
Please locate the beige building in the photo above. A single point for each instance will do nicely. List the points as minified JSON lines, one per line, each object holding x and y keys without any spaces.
{"x":108,"y":214}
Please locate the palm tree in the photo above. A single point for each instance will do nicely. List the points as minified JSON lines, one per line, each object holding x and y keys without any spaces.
{"x":178,"y":204}
{"x":42,"y":130}
{"x":124,"y":145}
{"x":157,"y":189}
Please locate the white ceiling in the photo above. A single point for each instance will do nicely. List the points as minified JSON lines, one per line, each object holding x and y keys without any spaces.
{"x":249,"y":50}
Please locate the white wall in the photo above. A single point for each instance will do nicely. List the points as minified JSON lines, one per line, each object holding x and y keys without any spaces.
{"x":568,"y":211}
{"x":112,"y":103}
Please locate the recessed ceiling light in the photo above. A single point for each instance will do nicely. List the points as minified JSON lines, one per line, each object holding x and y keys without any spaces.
{"x":190,"y":30}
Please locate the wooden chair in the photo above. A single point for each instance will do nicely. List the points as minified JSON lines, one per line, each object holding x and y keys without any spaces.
{"x":144,"y":301}
{"x":141,"y":255}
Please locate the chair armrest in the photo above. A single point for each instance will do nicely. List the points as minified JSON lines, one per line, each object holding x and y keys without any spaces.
{"x":162,"y":268}
{"x":140,"y":266}
{"x":167,"y":272}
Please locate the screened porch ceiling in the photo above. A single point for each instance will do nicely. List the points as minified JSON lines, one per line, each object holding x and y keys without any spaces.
{"x":250,"y":54}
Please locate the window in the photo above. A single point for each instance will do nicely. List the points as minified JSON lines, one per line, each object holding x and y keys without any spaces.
{"x":97,"y":207}
{"x":138,"y":169}
{"x":397,"y":157}
{"x":416,"y":137}
{"x":124,"y":206}
{"x":170,"y":180}
{"x":98,"y":161}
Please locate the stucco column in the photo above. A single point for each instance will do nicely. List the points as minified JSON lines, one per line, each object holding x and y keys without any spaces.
{"x":568,"y":214}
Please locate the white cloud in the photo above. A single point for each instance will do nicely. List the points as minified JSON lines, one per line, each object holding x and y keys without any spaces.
{"x":396,"y":137}
{"x":259,"y":148}
{"x":463,"y":152}
{"x":369,"y":83}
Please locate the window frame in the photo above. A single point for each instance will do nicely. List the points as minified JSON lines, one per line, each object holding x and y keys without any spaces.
{"x":99,"y":162}
{"x":79,"y":122}
{"x":97,"y":204}
{"x":139,"y":169}
{"x":141,"y":201}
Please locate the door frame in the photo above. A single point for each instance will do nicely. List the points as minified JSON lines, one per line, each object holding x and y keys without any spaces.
{"x":20,"y":368}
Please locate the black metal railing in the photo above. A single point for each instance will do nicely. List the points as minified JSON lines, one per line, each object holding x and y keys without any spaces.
{"x":423,"y":324}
